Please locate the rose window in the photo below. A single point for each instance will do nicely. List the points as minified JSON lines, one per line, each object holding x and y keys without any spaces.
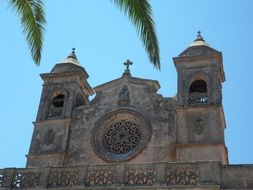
{"x":122,"y":137}
{"x":121,"y":134}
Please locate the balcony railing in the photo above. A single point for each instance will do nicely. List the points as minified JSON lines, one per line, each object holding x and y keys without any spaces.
{"x":197,"y":98}
{"x":54,"y":112}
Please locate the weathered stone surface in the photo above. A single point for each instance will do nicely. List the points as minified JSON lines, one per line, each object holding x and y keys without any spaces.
{"x":194,"y":175}
{"x":128,"y":121}
{"x":237,"y":176}
{"x":129,"y":136}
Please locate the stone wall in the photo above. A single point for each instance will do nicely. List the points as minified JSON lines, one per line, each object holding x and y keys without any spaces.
{"x":237,"y":176}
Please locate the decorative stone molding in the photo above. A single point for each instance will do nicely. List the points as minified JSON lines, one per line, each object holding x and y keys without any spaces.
{"x":6,"y":177}
{"x":63,"y":178}
{"x":124,"y":99}
{"x":2,"y":178}
{"x":26,"y":180}
{"x":182,"y":176}
{"x":199,"y":126}
{"x":98,"y":177}
{"x":159,"y":175}
{"x":49,"y":137}
{"x":141,"y":176}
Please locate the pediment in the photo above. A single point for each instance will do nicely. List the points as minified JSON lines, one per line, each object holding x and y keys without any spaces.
{"x":152,"y":84}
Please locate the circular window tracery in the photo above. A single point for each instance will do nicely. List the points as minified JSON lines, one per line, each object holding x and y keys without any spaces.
{"x":122,"y":137}
{"x":121,"y":134}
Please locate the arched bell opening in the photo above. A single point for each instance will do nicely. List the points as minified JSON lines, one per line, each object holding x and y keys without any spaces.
{"x":198,"y":92}
{"x":55,"y":108}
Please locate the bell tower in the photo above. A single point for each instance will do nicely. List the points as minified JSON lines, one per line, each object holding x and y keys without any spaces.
{"x":200,"y":75}
{"x":64,"y":89}
{"x":200,"y":117}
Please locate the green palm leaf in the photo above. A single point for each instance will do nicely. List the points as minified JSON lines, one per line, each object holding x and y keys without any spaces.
{"x":32,"y":20}
{"x":140,"y":13}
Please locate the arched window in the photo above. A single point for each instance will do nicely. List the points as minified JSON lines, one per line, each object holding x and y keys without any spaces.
{"x":56,"y":107}
{"x":58,"y":101}
{"x":198,"y":86}
{"x":198,"y":93}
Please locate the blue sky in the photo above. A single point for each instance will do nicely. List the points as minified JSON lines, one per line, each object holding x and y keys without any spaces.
{"x":104,"y":38}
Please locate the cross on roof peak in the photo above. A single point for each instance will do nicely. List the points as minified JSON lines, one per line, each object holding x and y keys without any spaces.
{"x":128,"y":63}
{"x":127,"y":70}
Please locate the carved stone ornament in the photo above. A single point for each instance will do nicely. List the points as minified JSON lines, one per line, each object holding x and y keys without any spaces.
{"x":6,"y":177}
{"x":199,"y":125}
{"x":122,"y":137}
{"x":63,"y":178}
{"x":182,"y":176}
{"x":49,"y":137}
{"x":141,"y":176}
{"x":101,"y":177}
{"x":2,"y":178}
{"x":26,"y":180}
{"x":124,"y":96}
{"x":121,"y":134}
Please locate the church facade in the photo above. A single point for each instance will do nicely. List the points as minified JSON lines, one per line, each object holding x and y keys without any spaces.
{"x":129,"y":136}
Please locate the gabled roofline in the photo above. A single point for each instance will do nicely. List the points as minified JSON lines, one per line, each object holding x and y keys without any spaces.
{"x":152,"y":83}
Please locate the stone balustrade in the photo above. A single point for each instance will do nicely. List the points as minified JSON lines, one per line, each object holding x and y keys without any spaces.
{"x":195,"y":175}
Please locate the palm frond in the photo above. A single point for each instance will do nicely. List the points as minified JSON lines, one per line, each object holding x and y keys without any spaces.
{"x":140,"y":13}
{"x":32,"y":18}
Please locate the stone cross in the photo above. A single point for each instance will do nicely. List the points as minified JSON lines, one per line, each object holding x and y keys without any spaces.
{"x":128,"y":63}
{"x":127,"y":71}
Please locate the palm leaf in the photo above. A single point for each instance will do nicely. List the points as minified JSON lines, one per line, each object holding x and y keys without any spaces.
{"x":140,"y":13}
{"x":32,"y":18}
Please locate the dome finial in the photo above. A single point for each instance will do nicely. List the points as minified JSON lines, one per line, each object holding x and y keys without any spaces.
{"x":73,"y":54}
{"x":199,"y":37}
